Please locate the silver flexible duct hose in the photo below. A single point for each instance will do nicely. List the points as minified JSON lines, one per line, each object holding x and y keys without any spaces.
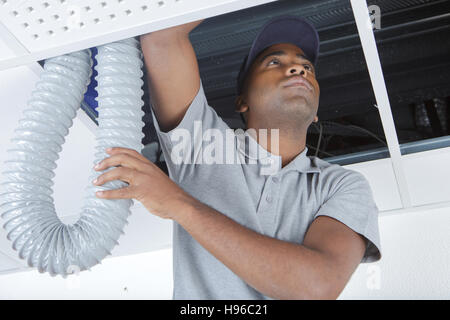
{"x":26,"y":203}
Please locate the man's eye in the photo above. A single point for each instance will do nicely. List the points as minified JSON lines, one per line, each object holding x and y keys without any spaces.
{"x":308,"y":67}
{"x":276,"y":60}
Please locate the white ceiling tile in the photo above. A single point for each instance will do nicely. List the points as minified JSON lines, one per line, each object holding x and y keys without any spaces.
{"x":428,"y":175}
{"x":49,"y":28}
{"x":381,"y":177}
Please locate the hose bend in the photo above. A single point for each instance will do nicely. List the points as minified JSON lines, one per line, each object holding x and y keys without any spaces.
{"x":26,"y":202}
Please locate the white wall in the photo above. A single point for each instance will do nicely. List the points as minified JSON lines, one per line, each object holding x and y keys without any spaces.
{"x":415,"y":265}
{"x":140,"y":276}
{"x":415,"y":262}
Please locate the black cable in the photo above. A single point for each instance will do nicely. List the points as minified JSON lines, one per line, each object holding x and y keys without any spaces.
{"x":358,"y":128}
{"x":320,"y":138}
{"x":324,"y":152}
{"x":159,"y":153}
{"x":327,"y":141}
{"x":369,"y":133}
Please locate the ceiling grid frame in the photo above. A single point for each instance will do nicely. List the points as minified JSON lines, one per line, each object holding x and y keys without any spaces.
{"x":369,"y":45}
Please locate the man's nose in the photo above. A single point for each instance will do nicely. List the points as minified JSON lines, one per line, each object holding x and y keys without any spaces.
{"x":297,"y":69}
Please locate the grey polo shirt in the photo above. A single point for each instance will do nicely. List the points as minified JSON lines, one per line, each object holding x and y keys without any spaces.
{"x":281,"y":204}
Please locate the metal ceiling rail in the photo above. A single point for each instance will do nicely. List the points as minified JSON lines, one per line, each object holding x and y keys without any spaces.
{"x":364,"y":25}
{"x":393,"y":28}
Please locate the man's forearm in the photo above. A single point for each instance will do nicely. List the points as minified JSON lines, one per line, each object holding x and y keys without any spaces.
{"x":276,"y":268}
{"x":168,"y":33}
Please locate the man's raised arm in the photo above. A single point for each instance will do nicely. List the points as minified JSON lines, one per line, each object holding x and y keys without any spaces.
{"x":173,"y":73}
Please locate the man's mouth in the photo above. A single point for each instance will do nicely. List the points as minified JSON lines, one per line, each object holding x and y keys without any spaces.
{"x":296,"y":81}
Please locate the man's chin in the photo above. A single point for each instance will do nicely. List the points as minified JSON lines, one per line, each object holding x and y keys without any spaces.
{"x":301,"y":115}
{"x":297,"y":103}
{"x":298,"y":98}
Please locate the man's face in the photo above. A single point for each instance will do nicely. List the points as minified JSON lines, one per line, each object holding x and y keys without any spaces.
{"x":268,"y":99}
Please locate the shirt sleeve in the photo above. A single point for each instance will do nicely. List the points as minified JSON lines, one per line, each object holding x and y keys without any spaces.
{"x":351,"y":202}
{"x":180,"y":145}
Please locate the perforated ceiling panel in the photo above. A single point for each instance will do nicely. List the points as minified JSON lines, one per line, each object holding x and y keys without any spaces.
{"x":52,"y":27}
{"x":39,"y":24}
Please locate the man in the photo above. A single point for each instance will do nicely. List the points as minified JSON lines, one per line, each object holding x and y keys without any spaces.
{"x":298,"y":232}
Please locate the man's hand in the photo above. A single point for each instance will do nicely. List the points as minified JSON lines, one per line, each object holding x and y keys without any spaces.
{"x":164,"y":34}
{"x":146,"y":183}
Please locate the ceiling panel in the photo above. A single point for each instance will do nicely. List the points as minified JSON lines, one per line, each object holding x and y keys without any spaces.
{"x":48,"y":28}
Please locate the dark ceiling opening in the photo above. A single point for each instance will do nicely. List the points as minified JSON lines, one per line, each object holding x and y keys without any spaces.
{"x":414,"y":48}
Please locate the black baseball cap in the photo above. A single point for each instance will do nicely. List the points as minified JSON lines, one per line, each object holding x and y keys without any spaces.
{"x":282,"y":29}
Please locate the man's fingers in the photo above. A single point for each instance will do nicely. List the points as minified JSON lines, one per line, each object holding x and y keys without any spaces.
{"x":122,"y":193}
{"x":128,"y":151}
{"x":120,"y":159}
{"x":121,"y":173}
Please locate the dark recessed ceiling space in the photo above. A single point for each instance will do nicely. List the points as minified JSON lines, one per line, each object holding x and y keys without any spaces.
{"x":414,"y":48}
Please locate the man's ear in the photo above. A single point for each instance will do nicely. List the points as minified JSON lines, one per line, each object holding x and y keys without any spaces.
{"x":241,"y":106}
{"x":316,"y":119}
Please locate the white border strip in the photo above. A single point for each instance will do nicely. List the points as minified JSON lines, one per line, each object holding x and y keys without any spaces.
{"x":363,"y":22}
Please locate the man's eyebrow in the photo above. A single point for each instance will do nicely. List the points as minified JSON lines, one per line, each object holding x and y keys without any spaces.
{"x":281,"y":53}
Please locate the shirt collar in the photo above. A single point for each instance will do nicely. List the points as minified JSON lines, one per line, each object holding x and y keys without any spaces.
{"x":252,"y":150}
{"x":303,"y":163}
